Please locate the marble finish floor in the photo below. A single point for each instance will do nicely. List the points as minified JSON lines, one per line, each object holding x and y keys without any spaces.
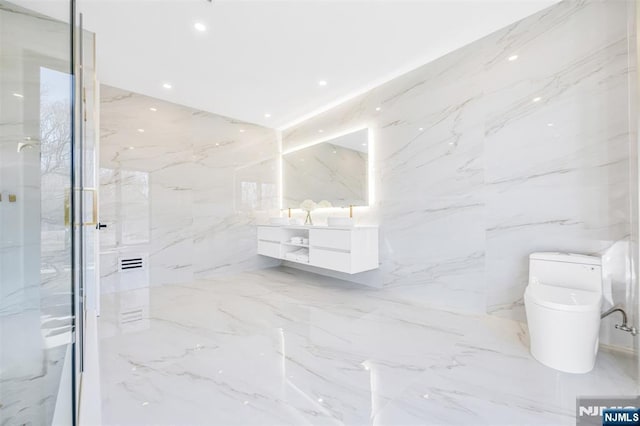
{"x":284,"y":347}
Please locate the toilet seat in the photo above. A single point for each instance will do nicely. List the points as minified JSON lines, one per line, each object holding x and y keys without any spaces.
{"x":563,"y":298}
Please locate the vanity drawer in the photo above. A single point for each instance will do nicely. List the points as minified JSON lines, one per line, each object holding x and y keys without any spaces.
{"x":269,"y":233}
{"x":329,"y":259}
{"x":330,"y":238}
{"x":270,"y":249}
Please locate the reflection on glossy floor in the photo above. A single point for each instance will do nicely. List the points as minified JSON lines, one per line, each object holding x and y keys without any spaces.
{"x":283,"y":347}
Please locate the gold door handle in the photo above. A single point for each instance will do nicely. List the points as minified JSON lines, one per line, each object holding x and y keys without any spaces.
{"x":94,"y":205}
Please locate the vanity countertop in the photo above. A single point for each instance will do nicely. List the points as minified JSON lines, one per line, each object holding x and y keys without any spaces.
{"x":344,"y":227}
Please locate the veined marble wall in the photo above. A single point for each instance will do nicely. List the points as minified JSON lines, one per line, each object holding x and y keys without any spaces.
{"x":482,"y":157}
{"x":182,"y":189}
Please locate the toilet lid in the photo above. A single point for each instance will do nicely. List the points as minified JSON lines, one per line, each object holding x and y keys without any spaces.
{"x":564,"y":298}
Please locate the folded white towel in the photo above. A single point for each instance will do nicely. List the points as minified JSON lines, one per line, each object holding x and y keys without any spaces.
{"x":301,"y":255}
{"x":290,"y":256}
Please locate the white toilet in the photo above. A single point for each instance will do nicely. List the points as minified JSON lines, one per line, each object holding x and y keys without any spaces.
{"x":563,"y":302}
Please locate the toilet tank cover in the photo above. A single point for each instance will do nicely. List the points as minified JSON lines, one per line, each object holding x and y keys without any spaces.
{"x":582,"y":259}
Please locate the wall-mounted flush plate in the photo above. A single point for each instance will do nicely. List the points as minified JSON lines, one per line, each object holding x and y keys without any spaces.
{"x":12,"y":198}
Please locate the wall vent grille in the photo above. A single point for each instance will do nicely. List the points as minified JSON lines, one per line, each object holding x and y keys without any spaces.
{"x":131,"y":316}
{"x":131,"y":263}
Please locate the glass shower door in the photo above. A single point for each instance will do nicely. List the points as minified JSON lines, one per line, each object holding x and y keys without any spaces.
{"x":36,"y":286}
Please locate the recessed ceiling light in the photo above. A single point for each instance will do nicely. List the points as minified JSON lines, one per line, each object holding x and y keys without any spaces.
{"x":200,"y":26}
{"x":18,"y":95}
{"x":364,"y":144}
{"x":241,"y":130}
{"x":141,"y":130}
{"x":267,"y":115}
{"x":335,"y":152}
{"x":131,"y":147}
{"x":167,"y":86}
{"x":550,"y":124}
{"x":420,"y":129}
{"x":153,"y":109}
{"x":378,"y":109}
{"x":320,"y":131}
{"x":217,"y":144}
{"x":513,"y":58}
{"x":322,"y":83}
{"x":537,"y":99}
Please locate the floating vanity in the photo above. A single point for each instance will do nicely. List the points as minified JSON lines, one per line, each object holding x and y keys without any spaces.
{"x":343,"y":249}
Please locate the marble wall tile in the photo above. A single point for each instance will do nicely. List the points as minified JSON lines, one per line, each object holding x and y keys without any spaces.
{"x":631,"y":293}
{"x":428,"y":185}
{"x":480,"y":160}
{"x":168,"y":186}
{"x":556,"y":143}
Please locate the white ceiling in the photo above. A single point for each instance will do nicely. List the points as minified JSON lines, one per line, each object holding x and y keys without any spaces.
{"x":267,"y":56}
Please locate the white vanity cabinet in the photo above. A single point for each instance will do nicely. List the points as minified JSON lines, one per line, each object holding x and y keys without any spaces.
{"x":343,"y":249}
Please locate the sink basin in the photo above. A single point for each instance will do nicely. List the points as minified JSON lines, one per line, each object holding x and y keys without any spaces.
{"x":339,"y":221}
{"x":279,"y":221}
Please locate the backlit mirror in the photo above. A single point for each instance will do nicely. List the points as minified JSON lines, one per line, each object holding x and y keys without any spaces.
{"x":334,"y":170}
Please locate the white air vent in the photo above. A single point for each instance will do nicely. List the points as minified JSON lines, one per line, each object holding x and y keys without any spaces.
{"x":131,"y":263}
{"x":131,"y":316}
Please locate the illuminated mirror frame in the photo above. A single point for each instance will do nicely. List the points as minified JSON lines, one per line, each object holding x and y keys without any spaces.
{"x":329,"y":138}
